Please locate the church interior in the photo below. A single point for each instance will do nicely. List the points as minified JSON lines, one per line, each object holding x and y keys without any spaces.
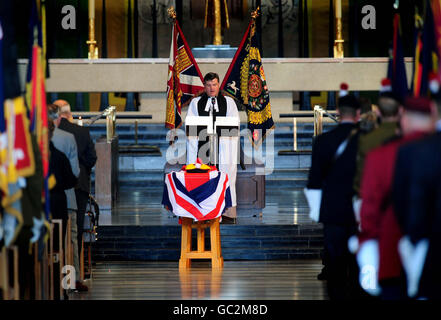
{"x":123,"y":75}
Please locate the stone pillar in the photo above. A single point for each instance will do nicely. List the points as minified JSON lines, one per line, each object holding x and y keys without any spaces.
{"x":106,"y":173}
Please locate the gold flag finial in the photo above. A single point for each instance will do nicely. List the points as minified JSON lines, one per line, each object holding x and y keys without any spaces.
{"x":171,"y":12}
{"x":255,"y":13}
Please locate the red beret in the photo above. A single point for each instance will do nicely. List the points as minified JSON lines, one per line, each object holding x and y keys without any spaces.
{"x":417,"y":104}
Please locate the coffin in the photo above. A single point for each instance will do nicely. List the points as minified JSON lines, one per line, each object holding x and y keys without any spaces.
{"x":250,"y":187}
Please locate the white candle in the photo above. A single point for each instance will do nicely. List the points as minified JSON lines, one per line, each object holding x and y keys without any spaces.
{"x":338,"y":8}
{"x":91,"y":9}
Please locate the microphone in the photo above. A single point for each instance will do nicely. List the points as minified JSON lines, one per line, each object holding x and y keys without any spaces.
{"x":213,"y":101}
{"x":212,"y":106}
{"x":213,"y":144}
{"x":212,"y":115}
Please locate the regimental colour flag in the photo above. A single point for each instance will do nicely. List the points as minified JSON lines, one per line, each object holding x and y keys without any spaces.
{"x":16,"y":154}
{"x":396,"y":68}
{"x":245,"y":81}
{"x":426,"y":55}
{"x":436,"y":10}
{"x":184,"y":78}
{"x":36,"y":97}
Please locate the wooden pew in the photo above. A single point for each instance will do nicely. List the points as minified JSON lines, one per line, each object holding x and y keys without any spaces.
{"x":57,"y":256}
{"x":6,"y":264}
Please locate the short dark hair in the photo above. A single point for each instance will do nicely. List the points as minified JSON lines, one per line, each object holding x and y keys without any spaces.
{"x":211,"y":76}
{"x":388,"y":106}
{"x":346,"y":111}
{"x":365,"y":105}
{"x":348,"y":101}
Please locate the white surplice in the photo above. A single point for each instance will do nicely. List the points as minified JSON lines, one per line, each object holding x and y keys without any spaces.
{"x":228,"y":146}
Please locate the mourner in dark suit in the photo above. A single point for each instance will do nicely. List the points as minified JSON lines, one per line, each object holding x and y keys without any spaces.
{"x":87,"y":159}
{"x":333,"y":173}
{"x":61,"y":170}
{"x":417,"y":203}
{"x":59,"y":166}
{"x":378,"y":220}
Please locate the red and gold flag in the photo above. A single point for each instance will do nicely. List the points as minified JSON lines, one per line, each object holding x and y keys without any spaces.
{"x":184,"y":79}
{"x":36,"y":97}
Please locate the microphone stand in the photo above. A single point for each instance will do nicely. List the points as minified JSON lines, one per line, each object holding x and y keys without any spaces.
{"x":212,"y":135}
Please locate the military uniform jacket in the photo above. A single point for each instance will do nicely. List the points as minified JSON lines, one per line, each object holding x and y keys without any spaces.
{"x":418,"y":182}
{"x":377,"y":215}
{"x":334,"y":177}
{"x":369,"y":141}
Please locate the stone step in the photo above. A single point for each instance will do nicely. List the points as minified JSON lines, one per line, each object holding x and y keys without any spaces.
{"x":153,"y":179}
{"x":115,"y":232}
{"x":236,"y":242}
{"x":246,"y":242}
{"x":227,"y":254}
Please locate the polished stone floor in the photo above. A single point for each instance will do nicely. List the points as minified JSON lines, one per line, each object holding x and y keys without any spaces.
{"x":143,"y":207}
{"x":157,"y":280}
{"x":254,"y":280}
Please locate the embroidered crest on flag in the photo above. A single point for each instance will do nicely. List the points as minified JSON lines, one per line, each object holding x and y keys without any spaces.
{"x":245,"y":81}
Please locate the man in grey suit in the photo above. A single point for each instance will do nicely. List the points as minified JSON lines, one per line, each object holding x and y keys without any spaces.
{"x":65,"y":142}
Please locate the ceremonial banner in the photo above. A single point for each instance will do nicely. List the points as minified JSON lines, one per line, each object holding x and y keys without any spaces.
{"x":3,"y":132}
{"x":19,"y":136}
{"x":245,"y":81}
{"x":436,"y":9}
{"x":396,"y":68}
{"x":16,"y":156}
{"x":425,"y":59}
{"x":200,"y":196}
{"x":36,"y":99}
{"x":184,"y":78}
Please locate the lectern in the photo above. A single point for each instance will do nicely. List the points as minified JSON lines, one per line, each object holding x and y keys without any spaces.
{"x":213,"y":128}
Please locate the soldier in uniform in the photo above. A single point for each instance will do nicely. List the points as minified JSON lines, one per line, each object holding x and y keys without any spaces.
{"x":332,"y":170}
{"x":378,"y":222}
{"x":388,"y":105}
{"x":417,"y":203}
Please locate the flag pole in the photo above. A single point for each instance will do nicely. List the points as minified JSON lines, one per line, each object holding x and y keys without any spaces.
{"x":93,"y":48}
{"x":338,"y":42}
{"x":217,"y":37}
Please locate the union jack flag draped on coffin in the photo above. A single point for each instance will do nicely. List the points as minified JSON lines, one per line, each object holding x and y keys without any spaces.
{"x":184,"y":78}
{"x":200,"y":196}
